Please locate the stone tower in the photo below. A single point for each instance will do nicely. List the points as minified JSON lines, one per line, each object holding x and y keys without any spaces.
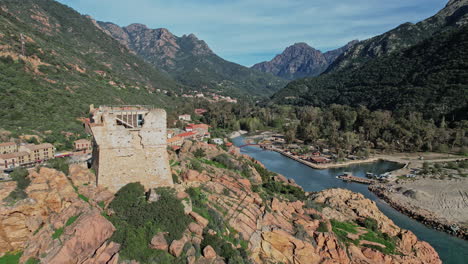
{"x":130,"y":146}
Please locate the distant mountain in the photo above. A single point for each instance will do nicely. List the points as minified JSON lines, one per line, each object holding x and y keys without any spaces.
{"x":68,"y":63}
{"x":430,"y":77}
{"x":455,"y":14}
{"x":301,"y":60}
{"x":190,"y":61}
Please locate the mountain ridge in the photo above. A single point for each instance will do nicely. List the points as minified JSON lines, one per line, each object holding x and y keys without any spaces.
{"x":454,"y":14}
{"x":190,"y":61}
{"x":301,"y":60}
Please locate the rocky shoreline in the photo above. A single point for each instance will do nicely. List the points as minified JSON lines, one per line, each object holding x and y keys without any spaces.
{"x":421,"y":215}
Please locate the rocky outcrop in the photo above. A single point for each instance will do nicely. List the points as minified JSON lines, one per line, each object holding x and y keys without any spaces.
{"x":301,"y":60}
{"x":344,"y":205}
{"x":85,"y":239}
{"x":282,"y":231}
{"x":35,"y":224}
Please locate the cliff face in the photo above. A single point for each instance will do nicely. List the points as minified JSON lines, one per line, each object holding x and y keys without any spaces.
{"x":190,"y":60}
{"x":245,"y":210}
{"x":158,"y":46}
{"x":301,"y":60}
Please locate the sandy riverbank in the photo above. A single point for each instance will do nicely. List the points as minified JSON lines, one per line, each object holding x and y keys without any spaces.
{"x":441,"y":204}
{"x":237,"y":133}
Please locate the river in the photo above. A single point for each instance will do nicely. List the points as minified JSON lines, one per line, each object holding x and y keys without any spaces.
{"x":451,"y":250}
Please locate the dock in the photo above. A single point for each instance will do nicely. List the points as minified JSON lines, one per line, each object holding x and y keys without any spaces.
{"x":352,"y":178}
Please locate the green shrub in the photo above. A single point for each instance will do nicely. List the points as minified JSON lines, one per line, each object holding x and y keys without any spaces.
{"x":199,"y":153}
{"x":196,"y":165}
{"x":222,"y":248}
{"x":84,"y":198}
{"x":60,"y":164}
{"x":57,"y":233}
{"x":32,"y":261}
{"x":322,"y":227}
{"x":371,"y":223}
{"x":11,"y":257}
{"x":137,"y":221}
{"x":72,"y":219}
{"x":20,"y":175}
{"x":288,"y":191}
{"x":175,"y":178}
{"x":226,"y":161}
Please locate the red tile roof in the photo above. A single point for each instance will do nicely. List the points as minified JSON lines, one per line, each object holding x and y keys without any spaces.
{"x":187,"y":134}
{"x":7,"y":144}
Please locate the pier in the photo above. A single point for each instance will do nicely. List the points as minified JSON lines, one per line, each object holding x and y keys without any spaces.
{"x":347,"y":177}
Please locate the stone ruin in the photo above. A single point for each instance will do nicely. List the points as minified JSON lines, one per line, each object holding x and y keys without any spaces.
{"x":129,"y":145}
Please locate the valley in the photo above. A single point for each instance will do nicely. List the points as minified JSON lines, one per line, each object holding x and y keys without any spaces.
{"x":131,"y":142}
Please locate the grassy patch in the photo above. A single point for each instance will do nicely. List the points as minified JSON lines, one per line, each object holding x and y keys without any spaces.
{"x":58,"y":232}
{"x":345,"y":226}
{"x":11,"y":257}
{"x":84,"y":198}
{"x":32,"y":261}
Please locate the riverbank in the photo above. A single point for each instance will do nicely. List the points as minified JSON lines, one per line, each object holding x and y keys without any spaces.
{"x":452,"y":250}
{"x":439,"y":204}
{"x":326,"y":165}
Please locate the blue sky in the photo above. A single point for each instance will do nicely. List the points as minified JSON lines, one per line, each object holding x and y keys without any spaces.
{"x":251,"y":31}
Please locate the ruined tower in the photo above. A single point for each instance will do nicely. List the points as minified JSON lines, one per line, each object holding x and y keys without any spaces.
{"x":130,"y":146}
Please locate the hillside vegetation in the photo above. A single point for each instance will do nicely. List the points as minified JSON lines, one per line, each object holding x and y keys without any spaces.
{"x":430,"y":77}
{"x":453,"y":15}
{"x":68,"y":64}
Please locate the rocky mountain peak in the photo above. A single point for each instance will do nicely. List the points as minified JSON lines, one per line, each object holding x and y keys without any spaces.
{"x":136,"y":27}
{"x":300,"y":60}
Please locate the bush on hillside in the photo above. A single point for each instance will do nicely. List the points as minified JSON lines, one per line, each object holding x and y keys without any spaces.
{"x":137,"y":221}
{"x":20,"y":175}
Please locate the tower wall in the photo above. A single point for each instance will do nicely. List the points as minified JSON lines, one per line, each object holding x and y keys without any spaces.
{"x":123,"y":155}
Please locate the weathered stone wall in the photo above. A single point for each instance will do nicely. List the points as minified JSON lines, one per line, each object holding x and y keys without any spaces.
{"x":124,"y":155}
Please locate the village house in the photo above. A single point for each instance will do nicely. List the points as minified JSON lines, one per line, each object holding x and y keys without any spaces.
{"x":171,"y":132}
{"x":187,"y":135}
{"x":83,"y":145}
{"x":185,"y":117}
{"x":201,"y":130}
{"x":175,"y":141}
{"x":8,"y":147}
{"x":39,"y":153}
{"x":217,"y":141}
{"x":26,"y":155}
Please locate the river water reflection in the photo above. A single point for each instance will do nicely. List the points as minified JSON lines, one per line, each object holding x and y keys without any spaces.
{"x":452,"y":250}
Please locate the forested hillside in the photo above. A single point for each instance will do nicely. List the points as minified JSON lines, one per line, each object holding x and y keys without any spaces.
{"x":190,"y":61}
{"x":453,"y":15}
{"x":431,"y":77}
{"x":68,"y":63}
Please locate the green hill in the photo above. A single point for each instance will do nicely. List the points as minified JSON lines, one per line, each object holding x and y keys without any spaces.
{"x":68,"y":64}
{"x":453,"y":15}
{"x":431,"y":77}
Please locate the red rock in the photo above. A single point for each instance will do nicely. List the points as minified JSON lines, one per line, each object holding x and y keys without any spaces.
{"x":82,"y":240}
{"x":196,"y":228}
{"x":177,"y":246}
{"x":159,"y":242}
{"x":209,"y":253}
{"x":199,"y":219}
{"x":195,"y":176}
